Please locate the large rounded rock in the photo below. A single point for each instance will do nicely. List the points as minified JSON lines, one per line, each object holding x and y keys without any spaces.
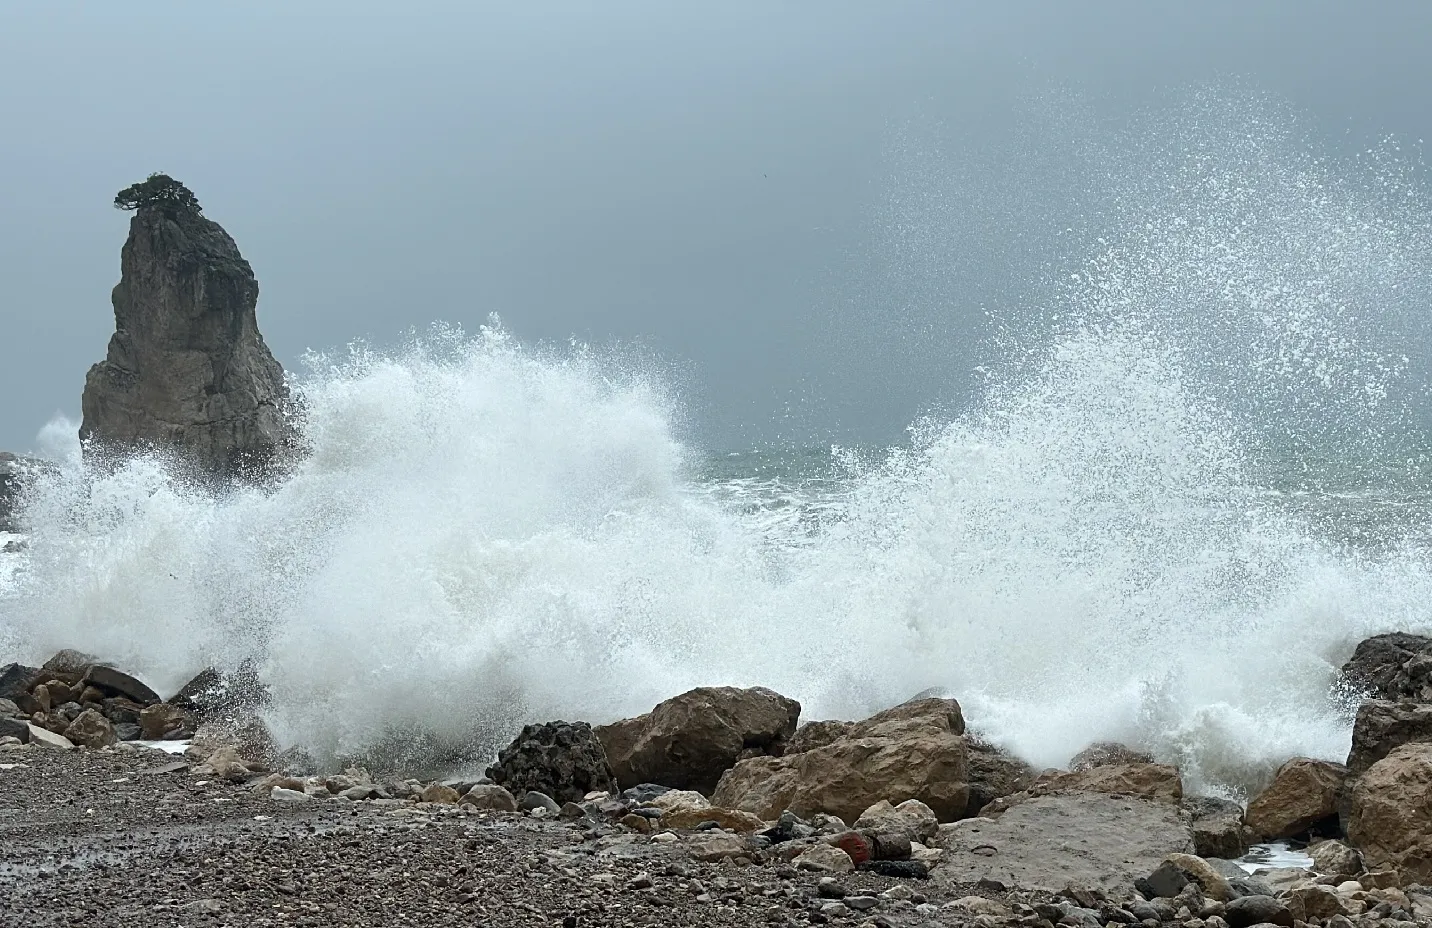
{"x":911,"y":819}
{"x":1393,"y":666}
{"x":688,"y":741}
{"x":1391,"y":814}
{"x":1257,"y":910}
{"x":1303,"y":793}
{"x":913,"y":751}
{"x":559,"y":759}
{"x":1383,"y":725}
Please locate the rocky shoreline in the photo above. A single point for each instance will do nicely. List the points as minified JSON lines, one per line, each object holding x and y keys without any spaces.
{"x":716,"y":808}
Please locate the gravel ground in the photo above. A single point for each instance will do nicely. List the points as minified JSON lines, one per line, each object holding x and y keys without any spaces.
{"x":103,"y":838}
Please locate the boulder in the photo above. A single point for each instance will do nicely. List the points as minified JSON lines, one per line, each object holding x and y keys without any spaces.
{"x":1394,"y":666}
{"x":692,"y":817}
{"x":822,"y":858}
{"x":16,"y":680}
{"x":438,"y":793}
{"x":1390,"y":820}
{"x":1257,"y":910}
{"x":1334,"y":858}
{"x":913,"y":751}
{"x":1303,"y":794}
{"x":91,"y":730}
{"x":688,"y":741}
{"x":1315,"y":903}
{"x":1212,"y":883}
{"x":559,"y":759}
{"x":993,"y":774}
{"x":1383,"y":725}
{"x":14,"y":474}
{"x":248,"y":736}
{"x":187,"y":370}
{"x":1077,"y":838}
{"x":1218,"y":829}
{"x":912,"y":819}
{"x":490,"y":797}
{"x":1107,"y":753}
{"x":18,"y":729}
{"x":215,"y":694}
{"x":46,"y":738}
{"x":159,"y":720}
{"x":118,"y":683}
{"x":715,"y":846}
{"x":1156,"y":782}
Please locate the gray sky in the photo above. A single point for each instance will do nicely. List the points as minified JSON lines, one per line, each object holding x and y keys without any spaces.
{"x":711,"y":179}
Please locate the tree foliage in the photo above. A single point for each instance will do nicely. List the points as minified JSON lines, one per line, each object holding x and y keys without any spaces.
{"x":158,"y":191}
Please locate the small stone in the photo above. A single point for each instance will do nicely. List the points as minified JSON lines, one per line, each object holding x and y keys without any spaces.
{"x":712,"y":846}
{"x":282,"y":794}
{"x":898,"y":869}
{"x":640,"y":881}
{"x":862,"y":903}
{"x":571,"y":811}
{"x":829,"y":888}
{"x":360,"y":793}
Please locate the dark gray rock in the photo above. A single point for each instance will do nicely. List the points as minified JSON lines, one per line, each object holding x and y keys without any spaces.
{"x":900,"y":869}
{"x":127,"y":731}
{"x":15,"y":728}
{"x":69,"y":661}
{"x":187,"y":370}
{"x":214,"y":694}
{"x":118,"y":683}
{"x":644,"y":793}
{"x":1166,"y":882}
{"x":993,"y":774}
{"x":16,"y":473}
{"x":1106,"y":754}
{"x":15,"y":681}
{"x":1382,"y":726}
{"x":562,"y":760}
{"x":1256,"y":910}
{"x":1393,"y":666}
{"x":533,"y":800}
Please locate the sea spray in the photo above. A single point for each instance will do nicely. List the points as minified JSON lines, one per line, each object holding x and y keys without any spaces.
{"x":484,"y":533}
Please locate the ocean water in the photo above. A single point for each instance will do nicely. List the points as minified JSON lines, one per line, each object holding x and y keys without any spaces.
{"x":1199,"y":472}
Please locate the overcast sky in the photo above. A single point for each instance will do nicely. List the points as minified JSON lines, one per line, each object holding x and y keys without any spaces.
{"x":713,"y":180}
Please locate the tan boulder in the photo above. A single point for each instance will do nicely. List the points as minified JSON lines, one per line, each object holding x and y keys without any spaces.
{"x":1155,"y":782}
{"x":1390,"y":820}
{"x":490,"y":797}
{"x":690,"y":817}
{"x":688,"y":741}
{"x":714,"y":846}
{"x":438,"y":793}
{"x":1303,"y":792}
{"x":912,"y":819}
{"x":822,"y":858}
{"x":159,"y":719}
{"x":91,"y":730}
{"x":913,"y":751}
{"x":813,"y":735}
{"x":1334,"y":858}
{"x":1214,"y":884}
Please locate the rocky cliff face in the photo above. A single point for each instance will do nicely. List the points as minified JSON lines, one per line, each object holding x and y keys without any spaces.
{"x":187,"y":370}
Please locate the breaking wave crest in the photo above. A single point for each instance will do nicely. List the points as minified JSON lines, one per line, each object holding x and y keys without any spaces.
{"x":485,"y":534}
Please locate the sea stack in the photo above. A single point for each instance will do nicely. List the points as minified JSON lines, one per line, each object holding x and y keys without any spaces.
{"x":187,"y":371}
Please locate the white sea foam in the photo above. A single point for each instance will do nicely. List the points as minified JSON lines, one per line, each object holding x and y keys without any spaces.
{"x":484,"y":534}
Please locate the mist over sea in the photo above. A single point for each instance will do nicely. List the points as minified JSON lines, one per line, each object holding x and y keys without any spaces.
{"x":1196,"y":473}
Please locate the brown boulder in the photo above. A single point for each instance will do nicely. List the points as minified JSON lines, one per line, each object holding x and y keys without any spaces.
{"x":1107,"y":753}
{"x":688,"y":741}
{"x":913,"y":751}
{"x":1218,"y":829}
{"x":1303,"y":793}
{"x":1383,"y":725}
{"x":1391,"y":815}
{"x":1156,"y":782}
{"x":160,"y":719}
{"x":91,"y":730}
